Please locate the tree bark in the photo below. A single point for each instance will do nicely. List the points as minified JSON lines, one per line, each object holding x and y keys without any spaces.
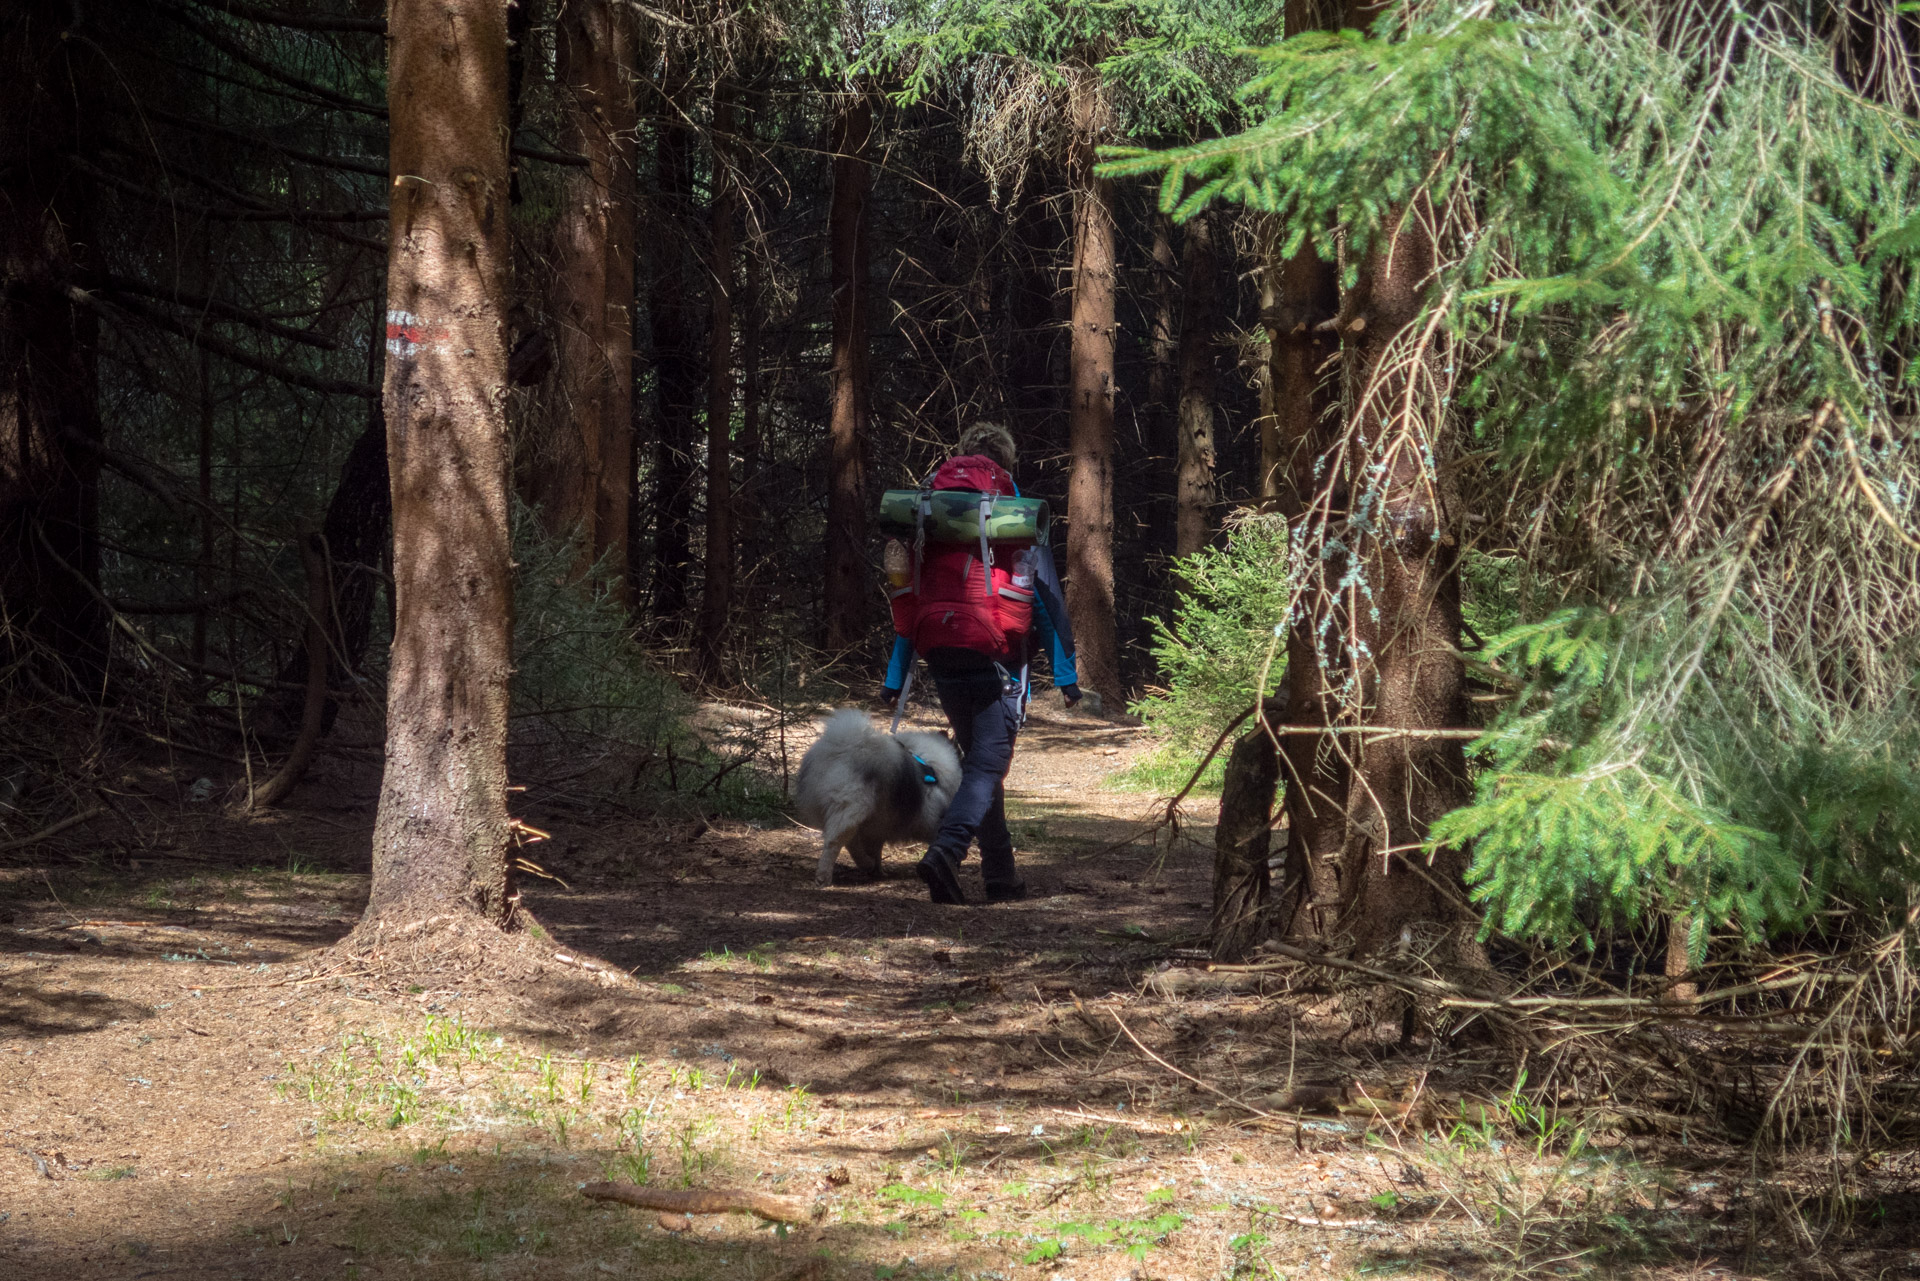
{"x":1199,"y":333}
{"x":440,"y":838}
{"x":203,"y":567}
{"x":716,"y":600}
{"x":577,"y":475}
{"x":1404,"y":638}
{"x":676,"y":355}
{"x":1240,"y":844}
{"x":1090,"y":404}
{"x":747,"y":496}
{"x":618,"y":476}
{"x":50,"y":615}
{"x":1162,"y":409}
{"x":845,"y":589}
{"x":1302,"y":425}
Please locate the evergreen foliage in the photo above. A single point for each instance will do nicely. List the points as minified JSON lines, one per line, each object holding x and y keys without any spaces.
{"x":1170,"y":64}
{"x":1748,"y":812}
{"x":1676,"y":251}
{"x":1220,"y":637}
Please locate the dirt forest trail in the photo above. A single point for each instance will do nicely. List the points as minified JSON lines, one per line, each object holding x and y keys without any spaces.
{"x":191,"y":1086}
{"x":188,"y":1086}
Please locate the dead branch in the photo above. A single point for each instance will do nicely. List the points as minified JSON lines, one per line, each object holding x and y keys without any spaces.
{"x":54,"y":829}
{"x":700,"y":1201}
{"x":1239,"y":1103}
{"x":313,"y":554}
{"x":298,"y":21}
{"x":230,"y":351}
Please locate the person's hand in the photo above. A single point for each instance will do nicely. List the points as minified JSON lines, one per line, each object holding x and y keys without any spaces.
{"x":888,"y":697}
{"x":1071,"y":693}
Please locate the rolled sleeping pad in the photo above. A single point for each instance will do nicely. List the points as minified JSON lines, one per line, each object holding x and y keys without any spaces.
{"x":953,"y":516}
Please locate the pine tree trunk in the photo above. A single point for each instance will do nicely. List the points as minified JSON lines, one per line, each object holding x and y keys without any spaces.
{"x":746,"y":498}
{"x":716,"y":601}
{"x":49,"y":416}
{"x":580,"y":475}
{"x":565,"y":478}
{"x":1405,"y":637}
{"x":1303,"y":423}
{"x":1162,"y":410}
{"x":203,"y":566}
{"x":1090,"y":404}
{"x":1193,"y":495}
{"x":618,"y":476}
{"x":1240,"y":844}
{"x":676,"y":354}
{"x":440,"y":839}
{"x":845,"y":592}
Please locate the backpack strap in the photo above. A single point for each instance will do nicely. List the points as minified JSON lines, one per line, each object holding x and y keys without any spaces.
{"x":920,"y":513}
{"x":986,"y":552}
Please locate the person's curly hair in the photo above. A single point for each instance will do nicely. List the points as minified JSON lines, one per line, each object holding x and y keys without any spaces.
{"x":993,"y":440}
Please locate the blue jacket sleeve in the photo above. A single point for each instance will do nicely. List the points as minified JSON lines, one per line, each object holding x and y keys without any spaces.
{"x":1050,"y":617}
{"x":898,"y":662}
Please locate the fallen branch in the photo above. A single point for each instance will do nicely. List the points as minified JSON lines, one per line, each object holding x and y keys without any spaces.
{"x":700,"y":1201}
{"x":54,"y":829}
{"x":1307,"y":1221}
{"x":1423,"y":986}
{"x":1239,"y":1103}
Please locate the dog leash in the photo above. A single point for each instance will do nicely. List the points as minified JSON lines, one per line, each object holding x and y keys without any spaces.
{"x":900,"y":707}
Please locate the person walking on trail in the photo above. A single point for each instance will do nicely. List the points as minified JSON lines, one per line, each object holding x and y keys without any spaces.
{"x":982,"y":677}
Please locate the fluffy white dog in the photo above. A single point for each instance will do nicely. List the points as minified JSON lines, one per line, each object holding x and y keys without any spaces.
{"x":865,"y":790}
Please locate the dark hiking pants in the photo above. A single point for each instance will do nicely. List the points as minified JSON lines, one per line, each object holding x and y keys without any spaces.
{"x":985,"y":720}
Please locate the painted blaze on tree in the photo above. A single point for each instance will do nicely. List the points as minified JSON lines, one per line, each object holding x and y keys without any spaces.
{"x":440,"y":840}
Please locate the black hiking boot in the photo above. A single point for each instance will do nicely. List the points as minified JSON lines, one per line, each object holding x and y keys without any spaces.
{"x":943,"y":886}
{"x":1007,"y":893}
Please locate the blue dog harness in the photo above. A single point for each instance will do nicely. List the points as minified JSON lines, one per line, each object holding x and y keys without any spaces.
{"x":927,"y":775}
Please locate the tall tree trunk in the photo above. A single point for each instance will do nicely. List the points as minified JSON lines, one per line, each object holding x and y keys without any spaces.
{"x":716,"y":601}
{"x":1404,"y":639}
{"x":618,"y":476}
{"x":747,"y":496}
{"x":577,"y":469}
{"x":676,"y":353}
{"x":203,"y":566}
{"x":1302,"y":425}
{"x":845,"y":590}
{"x":1199,"y":333}
{"x":440,"y":839}
{"x":1300,"y":300}
{"x":50,"y":613}
{"x":1163,"y":395}
{"x":1090,"y":404}
{"x":753,"y":321}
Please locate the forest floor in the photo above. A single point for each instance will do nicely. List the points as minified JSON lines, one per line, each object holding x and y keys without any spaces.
{"x":190,"y":1085}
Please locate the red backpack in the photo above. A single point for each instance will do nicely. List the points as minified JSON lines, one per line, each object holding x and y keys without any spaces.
{"x":975,"y":596}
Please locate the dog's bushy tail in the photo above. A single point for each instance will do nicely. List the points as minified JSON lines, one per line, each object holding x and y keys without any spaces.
{"x":848,"y":725}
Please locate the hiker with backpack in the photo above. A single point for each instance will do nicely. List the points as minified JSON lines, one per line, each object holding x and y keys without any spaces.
{"x":973,"y":611}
